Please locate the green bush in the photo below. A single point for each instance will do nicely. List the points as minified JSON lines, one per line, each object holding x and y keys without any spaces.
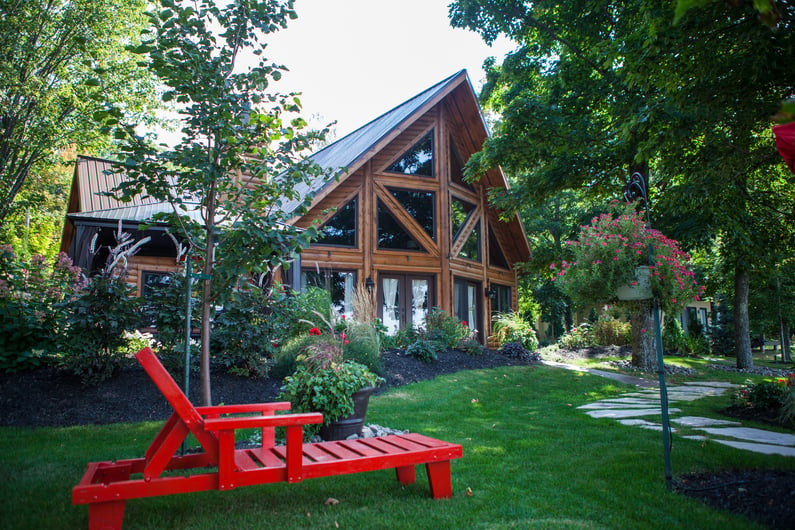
{"x":33,"y":307}
{"x":577,"y":337}
{"x":285,"y":360}
{"x":403,"y":338}
{"x":425,"y":350}
{"x":363,"y":346}
{"x":444,"y":328}
{"x":607,"y":331}
{"x":98,"y":319}
{"x":511,"y":327}
{"x":245,"y":334}
{"x":165,"y":310}
{"x":766,"y":395}
{"x":471,"y":347}
{"x":673,"y":337}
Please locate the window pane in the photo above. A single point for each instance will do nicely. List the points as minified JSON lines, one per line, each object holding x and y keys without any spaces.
{"x":471,"y":249}
{"x":421,"y":205}
{"x":496,"y":257}
{"x":419,"y":303}
{"x":391,"y":234}
{"x":457,"y":167}
{"x":340,"y":229}
{"x":338,"y":284}
{"x":418,"y":160}
{"x":459,"y":213}
{"x":390,"y":310}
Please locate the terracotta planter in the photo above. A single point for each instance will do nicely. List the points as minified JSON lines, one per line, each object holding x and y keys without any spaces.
{"x":639,"y":291}
{"x":345,"y":427}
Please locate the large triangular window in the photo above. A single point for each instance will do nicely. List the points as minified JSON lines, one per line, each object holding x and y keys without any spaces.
{"x":391,"y":234}
{"x":418,"y":160}
{"x":457,"y":167}
{"x":459,"y":213}
{"x":340,"y":230}
{"x":421,"y":205}
{"x":471,"y":248}
{"x":496,"y":257}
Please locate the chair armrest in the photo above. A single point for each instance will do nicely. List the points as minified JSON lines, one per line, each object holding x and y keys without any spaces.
{"x":264,"y":408}
{"x":254,"y":422}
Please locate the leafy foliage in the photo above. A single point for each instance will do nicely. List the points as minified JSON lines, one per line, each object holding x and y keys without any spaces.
{"x":425,"y":350}
{"x":63,"y":60}
{"x":444,"y":328}
{"x":240,"y":159}
{"x":33,"y":307}
{"x":511,"y":327}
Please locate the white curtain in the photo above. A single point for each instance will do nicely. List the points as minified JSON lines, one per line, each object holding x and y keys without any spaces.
{"x":390,"y":309}
{"x":348,"y":302}
{"x":419,"y":297}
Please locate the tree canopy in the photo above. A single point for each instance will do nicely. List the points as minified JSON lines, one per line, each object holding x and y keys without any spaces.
{"x":60,"y":61}
{"x":597,"y":91}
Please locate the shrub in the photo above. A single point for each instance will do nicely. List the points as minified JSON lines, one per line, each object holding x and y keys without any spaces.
{"x":765,"y":395}
{"x":788,"y":407}
{"x":511,"y":327}
{"x":98,"y":320}
{"x":425,"y":350}
{"x":403,"y":338}
{"x":673,"y":337}
{"x":517,"y":351}
{"x":363,"y":346}
{"x":577,"y":337}
{"x":471,"y":346}
{"x":608,"y":331}
{"x":33,"y":310}
{"x":444,"y":328}
{"x":245,"y":333}
{"x":165,"y":310}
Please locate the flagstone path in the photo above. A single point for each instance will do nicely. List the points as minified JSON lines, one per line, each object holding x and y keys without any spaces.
{"x":642,"y":409}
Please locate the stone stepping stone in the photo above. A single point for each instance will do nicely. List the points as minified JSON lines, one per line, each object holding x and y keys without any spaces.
{"x":767,"y":449}
{"x":696,"y":421}
{"x":626,"y":413}
{"x":603,"y":405}
{"x":716,"y":384}
{"x":643,"y":424}
{"x":752,"y":435}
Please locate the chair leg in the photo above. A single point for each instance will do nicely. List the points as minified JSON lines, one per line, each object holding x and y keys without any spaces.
{"x":405,"y":475}
{"x":439,"y":479}
{"x":105,"y":515}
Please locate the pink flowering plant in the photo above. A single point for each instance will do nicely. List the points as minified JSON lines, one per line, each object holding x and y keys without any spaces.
{"x":607,"y":252}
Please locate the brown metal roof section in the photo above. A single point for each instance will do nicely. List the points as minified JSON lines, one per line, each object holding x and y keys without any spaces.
{"x":95,"y":177}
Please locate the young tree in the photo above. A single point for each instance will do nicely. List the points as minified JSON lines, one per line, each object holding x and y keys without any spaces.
{"x":239,"y":161}
{"x":60,"y":60}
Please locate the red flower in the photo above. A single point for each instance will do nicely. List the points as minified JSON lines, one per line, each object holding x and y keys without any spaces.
{"x":314,"y":331}
{"x":463,"y":322}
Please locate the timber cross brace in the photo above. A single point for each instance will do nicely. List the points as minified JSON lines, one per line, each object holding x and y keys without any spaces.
{"x":106,"y":486}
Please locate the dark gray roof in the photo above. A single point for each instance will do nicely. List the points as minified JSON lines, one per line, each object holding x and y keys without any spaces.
{"x":137,"y":213}
{"x":352,"y":148}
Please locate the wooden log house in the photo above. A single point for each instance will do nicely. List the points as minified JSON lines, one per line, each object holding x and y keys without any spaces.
{"x":399,"y":218}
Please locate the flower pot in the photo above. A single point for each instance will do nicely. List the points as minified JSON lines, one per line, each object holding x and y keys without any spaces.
{"x":343,"y":428}
{"x":641,"y":290}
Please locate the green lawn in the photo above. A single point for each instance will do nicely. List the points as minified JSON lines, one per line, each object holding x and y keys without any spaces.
{"x":531,"y":459}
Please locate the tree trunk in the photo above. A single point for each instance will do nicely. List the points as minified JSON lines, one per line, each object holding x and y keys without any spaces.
{"x":742,"y":333}
{"x":207,"y":300}
{"x":644,"y":354}
{"x":786,"y":354}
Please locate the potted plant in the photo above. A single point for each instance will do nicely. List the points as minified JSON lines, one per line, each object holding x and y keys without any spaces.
{"x":327,"y":383}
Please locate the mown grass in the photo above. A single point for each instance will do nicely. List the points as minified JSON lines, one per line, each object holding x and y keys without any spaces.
{"x":531,"y":460}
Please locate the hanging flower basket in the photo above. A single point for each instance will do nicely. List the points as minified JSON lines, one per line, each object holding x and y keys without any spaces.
{"x":640,"y":289}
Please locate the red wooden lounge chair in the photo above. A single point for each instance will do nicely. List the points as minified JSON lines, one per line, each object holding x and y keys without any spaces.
{"x":106,"y":486}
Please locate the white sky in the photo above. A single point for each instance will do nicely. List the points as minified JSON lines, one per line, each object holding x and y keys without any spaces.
{"x":353,"y":60}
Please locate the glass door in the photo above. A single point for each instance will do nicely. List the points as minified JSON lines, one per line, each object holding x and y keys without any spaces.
{"x":404,"y":300}
{"x":466,"y":303}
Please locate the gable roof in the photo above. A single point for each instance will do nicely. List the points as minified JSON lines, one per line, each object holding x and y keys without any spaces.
{"x":348,"y":153}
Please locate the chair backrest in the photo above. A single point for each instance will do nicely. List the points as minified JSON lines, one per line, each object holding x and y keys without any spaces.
{"x":177,"y":399}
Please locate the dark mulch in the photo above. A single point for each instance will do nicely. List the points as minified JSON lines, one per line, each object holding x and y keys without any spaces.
{"x":46,"y":397}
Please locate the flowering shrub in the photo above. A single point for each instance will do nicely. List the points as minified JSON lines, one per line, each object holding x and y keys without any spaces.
{"x":33,"y":310}
{"x":607,"y":252}
{"x":765,"y":395}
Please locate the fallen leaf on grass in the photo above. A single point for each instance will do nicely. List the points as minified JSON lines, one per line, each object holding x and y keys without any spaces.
{"x":469,"y":492}
{"x":331,"y":501}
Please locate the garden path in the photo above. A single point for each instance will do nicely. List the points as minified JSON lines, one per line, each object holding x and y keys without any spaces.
{"x":635,"y":409}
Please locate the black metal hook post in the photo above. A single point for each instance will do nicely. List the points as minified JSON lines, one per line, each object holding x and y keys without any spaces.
{"x":636,"y":190}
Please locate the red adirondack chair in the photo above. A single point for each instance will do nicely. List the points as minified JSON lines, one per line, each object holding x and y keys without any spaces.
{"x":106,"y":486}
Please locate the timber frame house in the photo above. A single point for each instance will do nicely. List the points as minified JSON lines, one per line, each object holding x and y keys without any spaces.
{"x":398,"y":218}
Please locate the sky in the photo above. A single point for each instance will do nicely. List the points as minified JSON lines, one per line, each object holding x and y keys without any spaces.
{"x":353,"y":60}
